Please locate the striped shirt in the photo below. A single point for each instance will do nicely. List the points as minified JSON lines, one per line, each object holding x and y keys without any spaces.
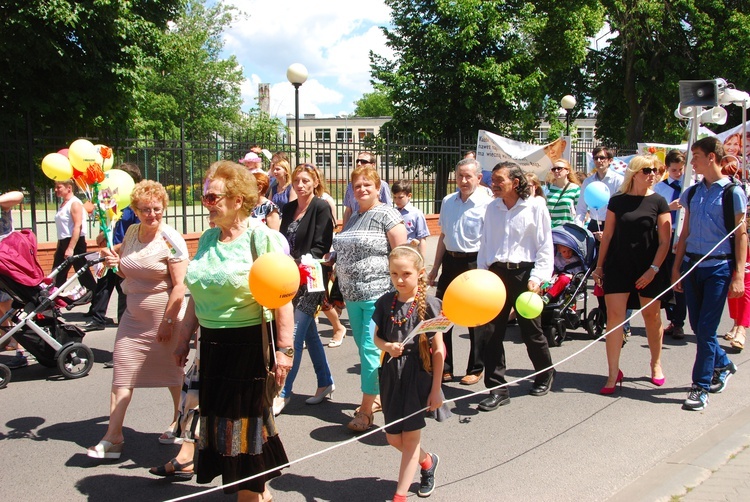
{"x":562,"y":205}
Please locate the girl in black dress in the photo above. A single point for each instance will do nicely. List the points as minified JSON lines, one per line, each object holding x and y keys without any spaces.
{"x":633,"y":248}
{"x":410,"y":378}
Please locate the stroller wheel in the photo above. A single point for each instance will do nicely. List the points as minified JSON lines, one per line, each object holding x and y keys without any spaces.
{"x":595,"y":323}
{"x":4,"y":376}
{"x":75,"y":360}
{"x":554,"y":335}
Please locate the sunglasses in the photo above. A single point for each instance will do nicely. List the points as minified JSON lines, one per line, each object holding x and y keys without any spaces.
{"x":363,"y":161}
{"x":210,"y":199}
{"x":649,"y":170}
{"x":557,"y":169}
{"x":600,"y":158}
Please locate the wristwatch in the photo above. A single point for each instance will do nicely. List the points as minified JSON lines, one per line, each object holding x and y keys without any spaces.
{"x":655,"y":268}
{"x":287,"y":351}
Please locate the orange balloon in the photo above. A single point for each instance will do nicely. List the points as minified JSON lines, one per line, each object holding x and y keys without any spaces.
{"x":474,"y":298}
{"x":274,"y":280}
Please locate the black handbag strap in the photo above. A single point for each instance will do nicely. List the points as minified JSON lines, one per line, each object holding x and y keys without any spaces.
{"x":561,"y":195}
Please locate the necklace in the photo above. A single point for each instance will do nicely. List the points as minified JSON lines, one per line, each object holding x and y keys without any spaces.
{"x":400,"y":322}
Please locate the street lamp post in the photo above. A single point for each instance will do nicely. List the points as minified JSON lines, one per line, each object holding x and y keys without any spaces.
{"x":297,"y":75}
{"x":568,"y":102}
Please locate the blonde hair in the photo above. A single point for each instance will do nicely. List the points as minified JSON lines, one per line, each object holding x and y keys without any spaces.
{"x":366,"y":171}
{"x":284,"y":164}
{"x":638,"y":163}
{"x":148,"y":190}
{"x":572,"y":177}
{"x":238,"y":182}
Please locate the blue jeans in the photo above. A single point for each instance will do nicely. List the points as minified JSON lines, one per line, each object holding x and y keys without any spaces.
{"x":706,"y":291}
{"x":360,"y":320}
{"x":305,"y":331}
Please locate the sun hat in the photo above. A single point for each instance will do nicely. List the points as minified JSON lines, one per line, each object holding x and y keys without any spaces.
{"x":250,"y":158}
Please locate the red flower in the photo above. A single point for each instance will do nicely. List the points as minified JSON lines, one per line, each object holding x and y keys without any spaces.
{"x":105,"y":152}
{"x":652,"y":150}
{"x":94,"y":174}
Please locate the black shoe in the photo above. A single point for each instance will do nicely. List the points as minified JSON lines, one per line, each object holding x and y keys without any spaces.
{"x":108,"y":321}
{"x":427,"y":481}
{"x":493,"y":402}
{"x":92,"y":326}
{"x":540,"y":389}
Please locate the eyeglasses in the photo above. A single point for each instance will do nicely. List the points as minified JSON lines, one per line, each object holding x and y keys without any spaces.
{"x":210,"y":199}
{"x":363,"y":161}
{"x":557,"y":168}
{"x":649,"y":170}
{"x":599,"y":157}
{"x":150,"y":210}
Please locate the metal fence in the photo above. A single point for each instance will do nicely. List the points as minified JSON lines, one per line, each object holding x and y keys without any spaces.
{"x":180,"y":163}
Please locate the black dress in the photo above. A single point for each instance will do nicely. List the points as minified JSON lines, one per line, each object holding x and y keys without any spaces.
{"x":634,"y":244}
{"x":404,"y":384}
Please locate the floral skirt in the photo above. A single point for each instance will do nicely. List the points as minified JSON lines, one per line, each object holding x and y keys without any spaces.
{"x":238,"y":436}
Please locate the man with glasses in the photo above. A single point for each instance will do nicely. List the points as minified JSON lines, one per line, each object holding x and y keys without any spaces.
{"x":350,"y":204}
{"x":461,"y":221}
{"x":613,"y":180}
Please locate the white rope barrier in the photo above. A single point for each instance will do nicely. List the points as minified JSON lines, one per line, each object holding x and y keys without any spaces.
{"x":467,"y":396}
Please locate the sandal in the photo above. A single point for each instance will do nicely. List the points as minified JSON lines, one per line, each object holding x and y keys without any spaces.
{"x":168,"y":437}
{"x":738,"y":342}
{"x":361,"y":422}
{"x":729,"y":335}
{"x":105,"y":450}
{"x":178,"y":470}
{"x":376,"y":407}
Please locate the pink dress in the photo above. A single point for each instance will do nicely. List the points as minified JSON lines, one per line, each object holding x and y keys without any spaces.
{"x":739,"y":308}
{"x":140,"y":360}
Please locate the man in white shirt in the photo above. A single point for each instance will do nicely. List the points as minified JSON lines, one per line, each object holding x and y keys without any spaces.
{"x":461,"y":220}
{"x":670,"y":189}
{"x":516,"y":244}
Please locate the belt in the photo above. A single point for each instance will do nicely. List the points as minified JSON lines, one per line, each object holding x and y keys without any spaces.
{"x":696,"y":256}
{"x":512,"y":266}
{"x":459,"y":254}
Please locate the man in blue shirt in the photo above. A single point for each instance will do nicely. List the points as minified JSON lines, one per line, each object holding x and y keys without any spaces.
{"x":721,"y":272}
{"x":111,"y":280}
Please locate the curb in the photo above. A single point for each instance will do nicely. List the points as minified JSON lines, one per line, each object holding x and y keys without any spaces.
{"x":693,"y":464}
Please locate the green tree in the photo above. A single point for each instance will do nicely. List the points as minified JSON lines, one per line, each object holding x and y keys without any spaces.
{"x":189,"y":80}
{"x":75,"y":63}
{"x":374,"y":104}
{"x":463,"y":65}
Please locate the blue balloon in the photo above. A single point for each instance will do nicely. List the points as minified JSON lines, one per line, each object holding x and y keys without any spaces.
{"x":596,"y":195}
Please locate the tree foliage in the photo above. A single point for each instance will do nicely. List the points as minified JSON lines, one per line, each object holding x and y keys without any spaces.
{"x":374,"y":104}
{"x":188,"y":79}
{"x":76,"y":63}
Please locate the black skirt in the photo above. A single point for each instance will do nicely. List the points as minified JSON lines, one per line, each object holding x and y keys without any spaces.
{"x":238,"y":436}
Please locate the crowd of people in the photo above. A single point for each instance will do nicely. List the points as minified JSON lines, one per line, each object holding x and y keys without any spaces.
{"x":376,"y":266}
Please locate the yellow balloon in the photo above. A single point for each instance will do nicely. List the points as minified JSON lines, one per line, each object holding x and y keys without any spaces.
{"x":117,"y":185}
{"x":474,"y":298}
{"x":82,"y":154}
{"x":274,"y":280}
{"x":57,"y":167}
{"x":107,"y":163}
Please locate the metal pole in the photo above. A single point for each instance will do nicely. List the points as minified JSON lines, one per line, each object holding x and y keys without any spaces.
{"x":296,"y":119}
{"x":687,"y":176}
{"x":182,"y":176}
{"x":567,"y":122}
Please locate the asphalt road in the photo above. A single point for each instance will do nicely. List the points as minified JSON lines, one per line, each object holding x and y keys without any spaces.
{"x":572,"y":444}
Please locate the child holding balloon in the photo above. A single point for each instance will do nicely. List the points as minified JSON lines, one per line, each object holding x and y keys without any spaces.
{"x":411,"y":371}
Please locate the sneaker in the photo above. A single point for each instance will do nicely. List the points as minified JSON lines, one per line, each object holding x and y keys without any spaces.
{"x":697,"y":399}
{"x":18,"y":361}
{"x":721,"y":377}
{"x":427,"y":482}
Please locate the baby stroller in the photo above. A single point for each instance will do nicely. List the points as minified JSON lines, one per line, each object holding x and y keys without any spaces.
{"x":569,"y":309}
{"x":35,"y":308}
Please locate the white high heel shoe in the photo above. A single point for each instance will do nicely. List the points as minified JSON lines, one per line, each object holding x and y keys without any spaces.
{"x":336,"y":343}
{"x":318,"y":398}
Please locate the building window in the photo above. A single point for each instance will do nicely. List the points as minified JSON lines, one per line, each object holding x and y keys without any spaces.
{"x":364,"y":133}
{"x":586,"y":134}
{"x":322,"y":160}
{"x":323,"y":135}
{"x":344,"y":135}
{"x":345,"y":160}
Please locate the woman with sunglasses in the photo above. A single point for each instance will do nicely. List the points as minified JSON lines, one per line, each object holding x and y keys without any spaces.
{"x":563,"y":192}
{"x":634,"y":245}
{"x":308,"y":227}
{"x":152,"y":260}
{"x":362,"y":249}
{"x":238,"y":436}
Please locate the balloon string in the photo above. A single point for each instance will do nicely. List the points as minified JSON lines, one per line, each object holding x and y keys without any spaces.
{"x":102,"y":220}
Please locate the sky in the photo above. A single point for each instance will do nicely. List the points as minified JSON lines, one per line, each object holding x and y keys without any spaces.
{"x":332,"y":38}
